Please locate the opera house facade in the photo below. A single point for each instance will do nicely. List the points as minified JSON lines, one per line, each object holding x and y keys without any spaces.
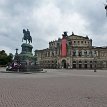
{"x":73,"y":51}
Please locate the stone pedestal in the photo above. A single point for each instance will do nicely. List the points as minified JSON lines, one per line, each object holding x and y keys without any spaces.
{"x":27,"y":60}
{"x":26,"y":54}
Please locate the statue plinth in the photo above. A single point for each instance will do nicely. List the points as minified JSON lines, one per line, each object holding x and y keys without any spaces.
{"x":26,"y":48}
{"x":27,"y":60}
{"x":26,"y":53}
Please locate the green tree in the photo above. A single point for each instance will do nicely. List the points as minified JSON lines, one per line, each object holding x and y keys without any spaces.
{"x":4,"y":58}
{"x":10,"y":57}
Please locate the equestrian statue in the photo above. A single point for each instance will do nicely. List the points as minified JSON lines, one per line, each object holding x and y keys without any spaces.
{"x":27,"y":36}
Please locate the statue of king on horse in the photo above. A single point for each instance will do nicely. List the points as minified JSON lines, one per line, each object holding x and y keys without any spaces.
{"x":27,"y":36}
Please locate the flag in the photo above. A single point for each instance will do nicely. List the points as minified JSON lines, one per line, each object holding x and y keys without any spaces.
{"x":64,"y":47}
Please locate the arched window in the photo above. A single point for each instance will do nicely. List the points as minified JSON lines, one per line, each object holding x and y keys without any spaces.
{"x":74,"y":61}
{"x":80,"y":62}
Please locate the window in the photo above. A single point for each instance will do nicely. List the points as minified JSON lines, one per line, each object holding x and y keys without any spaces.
{"x":48,"y":54}
{"x":80,"y":53}
{"x":74,"y":53}
{"x":85,"y":61}
{"x":78,"y":42}
{"x":90,"y":61}
{"x":58,"y":44}
{"x":90,"y":52}
{"x":69,"y":43}
{"x":85,"y":52}
{"x":52,"y":53}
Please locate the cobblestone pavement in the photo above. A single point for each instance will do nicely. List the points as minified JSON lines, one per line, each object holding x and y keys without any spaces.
{"x":56,"y":88}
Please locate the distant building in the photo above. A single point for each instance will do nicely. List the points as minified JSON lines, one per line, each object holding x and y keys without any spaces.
{"x":72,"y":51}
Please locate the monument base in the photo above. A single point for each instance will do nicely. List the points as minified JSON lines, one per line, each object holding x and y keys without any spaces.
{"x":27,"y":61}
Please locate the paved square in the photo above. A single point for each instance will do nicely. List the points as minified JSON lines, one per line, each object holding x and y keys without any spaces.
{"x":56,"y":88}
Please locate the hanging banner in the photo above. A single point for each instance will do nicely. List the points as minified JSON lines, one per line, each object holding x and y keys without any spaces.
{"x":63,"y":47}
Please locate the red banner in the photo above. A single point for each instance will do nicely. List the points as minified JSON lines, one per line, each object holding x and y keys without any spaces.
{"x":63,"y":47}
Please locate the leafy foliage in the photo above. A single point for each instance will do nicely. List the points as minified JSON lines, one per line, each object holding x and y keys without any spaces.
{"x":4,"y":58}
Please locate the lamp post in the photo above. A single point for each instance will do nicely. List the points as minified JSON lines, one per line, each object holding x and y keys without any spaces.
{"x":95,"y":62}
{"x":71,"y":57}
{"x":17,"y":59}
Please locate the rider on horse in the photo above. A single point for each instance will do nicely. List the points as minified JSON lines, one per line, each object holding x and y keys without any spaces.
{"x":27,"y":36}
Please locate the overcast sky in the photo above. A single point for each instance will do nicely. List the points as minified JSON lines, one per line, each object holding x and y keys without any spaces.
{"x":48,"y":19}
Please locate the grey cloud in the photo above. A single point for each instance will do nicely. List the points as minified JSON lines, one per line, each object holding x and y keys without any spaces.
{"x":66,"y":6}
{"x":3,"y":34}
{"x":21,"y":9}
{"x":94,"y":13}
{"x":18,"y":14}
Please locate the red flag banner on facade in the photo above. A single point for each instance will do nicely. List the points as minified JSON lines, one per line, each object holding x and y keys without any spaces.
{"x":64,"y":47}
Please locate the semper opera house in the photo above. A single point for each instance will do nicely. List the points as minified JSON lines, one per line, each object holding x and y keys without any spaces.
{"x":74,"y":52}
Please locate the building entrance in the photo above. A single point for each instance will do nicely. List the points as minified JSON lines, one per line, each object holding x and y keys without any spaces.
{"x":74,"y":65}
{"x":85,"y":65}
{"x":64,"y":63}
{"x":80,"y":65}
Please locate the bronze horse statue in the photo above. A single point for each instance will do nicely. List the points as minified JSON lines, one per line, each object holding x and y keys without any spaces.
{"x":27,"y":36}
